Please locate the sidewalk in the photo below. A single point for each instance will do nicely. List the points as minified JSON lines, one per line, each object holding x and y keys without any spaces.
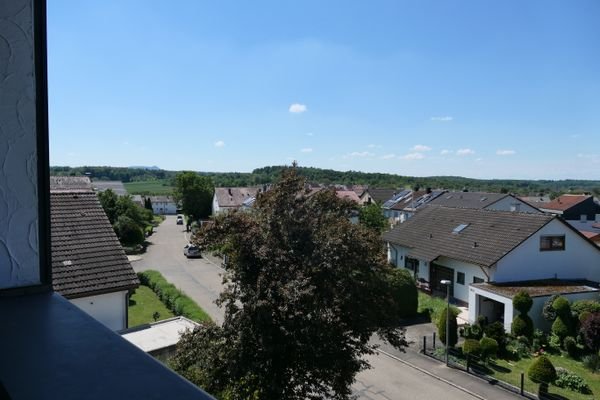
{"x":470,"y":384}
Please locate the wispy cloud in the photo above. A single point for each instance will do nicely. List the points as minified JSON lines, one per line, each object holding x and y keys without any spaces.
{"x":464,"y":152}
{"x":298,"y":108}
{"x":361,"y":154}
{"x":219,"y":143}
{"x":445,"y":152}
{"x":445,"y":118}
{"x":310,"y":134}
{"x":420,"y":148}
{"x":306,"y":150}
{"x":388,"y":156}
{"x":506,"y":152}
{"x":413,"y":156}
{"x":374,"y":146}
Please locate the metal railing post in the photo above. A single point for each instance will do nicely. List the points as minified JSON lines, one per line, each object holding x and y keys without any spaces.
{"x":522,"y":383}
{"x":424,"y":344}
{"x":434,"y":340}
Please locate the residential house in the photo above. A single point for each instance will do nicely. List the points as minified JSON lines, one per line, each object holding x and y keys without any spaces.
{"x":375,"y":195}
{"x":402,"y":210}
{"x":349,"y":195}
{"x":89,"y":266}
{"x":232,"y":198}
{"x":163,"y":205}
{"x":470,"y":246}
{"x":115,"y":186}
{"x":573,"y":207}
{"x":484,"y":201}
{"x":396,"y":197}
{"x":589,"y":229}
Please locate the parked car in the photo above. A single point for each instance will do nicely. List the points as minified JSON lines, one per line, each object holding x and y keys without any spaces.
{"x":192,"y":251}
{"x":180,"y":220}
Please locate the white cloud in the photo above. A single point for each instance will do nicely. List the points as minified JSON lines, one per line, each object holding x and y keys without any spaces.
{"x":445,"y":151}
{"x":413,"y":156}
{"x":219,"y":143}
{"x":479,"y":159}
{"x":420,"y":148}
{"x":464,"y":152}
{"x":361,"y":154}
{"x":505,"y":152}
{"x":388,"y":156}
{"x":310,"y":134}
{"x":445,"y":118}
{"x":373,"y":146}
{"x":297,"y":108}
{"x":306,"y":150}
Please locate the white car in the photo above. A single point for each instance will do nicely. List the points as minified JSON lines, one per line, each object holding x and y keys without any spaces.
{"x":192,"y":251}
{"x":179,"y":220}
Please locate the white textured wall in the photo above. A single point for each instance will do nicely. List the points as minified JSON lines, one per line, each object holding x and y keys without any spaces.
{"x":19,"y":264}
{"x":506,"y":203}
{"x":110,"y":308}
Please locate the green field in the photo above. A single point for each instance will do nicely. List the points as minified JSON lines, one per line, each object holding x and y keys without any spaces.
{"x":143,"y":304}
{"x":154,"y":187}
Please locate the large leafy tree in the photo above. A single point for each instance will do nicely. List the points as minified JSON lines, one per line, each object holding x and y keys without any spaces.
{"x":372,"y":217}
{"x":195,"y":193}
{"x":305,"y":290}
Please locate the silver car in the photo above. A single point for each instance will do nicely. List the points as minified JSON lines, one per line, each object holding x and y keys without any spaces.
{"x":192,"y":251}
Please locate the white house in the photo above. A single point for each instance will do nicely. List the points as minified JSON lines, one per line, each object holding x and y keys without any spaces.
{"x":479,"y":250}
{"x":89,"y":266}
{"x":163,"y":205}
{"x":233,"y":198}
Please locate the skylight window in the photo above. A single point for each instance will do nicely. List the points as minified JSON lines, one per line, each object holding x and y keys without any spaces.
{"x":459,"y":228}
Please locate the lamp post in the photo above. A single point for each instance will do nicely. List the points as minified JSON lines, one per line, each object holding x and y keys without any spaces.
{"x":447,"y":283}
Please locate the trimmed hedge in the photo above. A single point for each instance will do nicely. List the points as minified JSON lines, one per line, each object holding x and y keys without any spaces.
{"x":522,"y":302}
{"x":542,"y":370}
{"x":441,"y":325}
{"x":471,"y":346}
{"x":522,"y":326}
{"x":174,"y":299}
{"x":489,"y":348}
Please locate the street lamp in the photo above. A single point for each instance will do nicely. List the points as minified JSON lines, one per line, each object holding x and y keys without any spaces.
{"x":447,"y":283}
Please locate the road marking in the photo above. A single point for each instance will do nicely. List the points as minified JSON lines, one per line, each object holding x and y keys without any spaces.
{"x":439,"y":378}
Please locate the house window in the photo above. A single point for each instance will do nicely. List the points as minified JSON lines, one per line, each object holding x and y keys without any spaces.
{"x":549,"y":243}
{"x":460,"y":278}
{"x":412,"y":264}
{"x":477,"y":280}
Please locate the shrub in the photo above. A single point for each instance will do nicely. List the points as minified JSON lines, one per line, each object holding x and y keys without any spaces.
{"x":554,"y":342}
{"x":562,"y":307}
{"x":571,"y":381}
{"x":441,"y":325}
{"x":174,"y":299}
{"x":488,"y":348}
{"x":542,"y":370}
{"x":471,"y":347}
{"x":561,"y":328}
{"x":472,"y":331}
{"x":591,"y":362}
{"x":518,"y":349}
{"x":590,"y":330}
{"x":581,"y":306}
{"x":522,"y":326}
{"x":570,"y":345}
{"x":408,"y":296}
{"x":128,"y":231}
{"x":522,"y":302}
{"x":548,"y":311}
{"x":583,"y":316}
{"x":496,"y":331}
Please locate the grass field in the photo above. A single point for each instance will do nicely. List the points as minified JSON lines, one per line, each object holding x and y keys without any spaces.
{"x":155,"y":187}
{"x":433,"y":305}
{"x":143,"y":304}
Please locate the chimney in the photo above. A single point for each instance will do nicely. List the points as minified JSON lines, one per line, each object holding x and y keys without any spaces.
{"x":229,"y":191}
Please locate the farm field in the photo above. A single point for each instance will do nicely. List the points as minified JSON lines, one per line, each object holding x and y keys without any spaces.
{"x":153,"y":187}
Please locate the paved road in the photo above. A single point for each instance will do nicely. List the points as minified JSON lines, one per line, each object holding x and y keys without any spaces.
{"x":198,"y":278}
{"x":201,"y":279}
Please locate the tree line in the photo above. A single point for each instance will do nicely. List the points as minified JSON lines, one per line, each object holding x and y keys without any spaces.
{"x":271,"y":174}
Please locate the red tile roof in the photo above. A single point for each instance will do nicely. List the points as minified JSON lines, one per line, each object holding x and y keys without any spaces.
{"x":565,"y":202}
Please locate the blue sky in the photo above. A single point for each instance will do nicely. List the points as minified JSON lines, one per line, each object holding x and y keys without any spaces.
{"x":505,"y":89}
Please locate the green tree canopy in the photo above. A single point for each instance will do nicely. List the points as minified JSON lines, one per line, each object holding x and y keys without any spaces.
{"x":195,"y":194}
{"x":305,"y":291}
{"x":372,"y":217}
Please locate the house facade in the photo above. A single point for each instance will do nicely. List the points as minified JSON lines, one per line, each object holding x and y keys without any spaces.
{"x":163,"y":205}
{"x":233,"y":198}
{"x":573,"y":207}
{"x":471,"y":247}
{"x":89,"y":266}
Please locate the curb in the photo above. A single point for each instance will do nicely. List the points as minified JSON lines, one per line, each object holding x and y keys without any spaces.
{"x":439,"y":378}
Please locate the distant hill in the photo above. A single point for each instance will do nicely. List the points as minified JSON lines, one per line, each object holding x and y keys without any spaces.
{"x":152,"y":168}
{"x":328,"y":176}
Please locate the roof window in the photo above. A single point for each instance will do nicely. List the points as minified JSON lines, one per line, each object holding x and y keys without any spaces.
{"x":459,"y":228}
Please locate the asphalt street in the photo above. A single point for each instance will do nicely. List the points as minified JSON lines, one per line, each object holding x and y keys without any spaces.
{"x":201,"y":279}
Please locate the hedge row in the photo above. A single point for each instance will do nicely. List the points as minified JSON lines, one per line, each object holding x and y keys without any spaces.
{"x":174,"y":299}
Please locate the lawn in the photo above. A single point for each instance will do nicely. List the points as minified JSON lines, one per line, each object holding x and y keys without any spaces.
{"x":510,"y":371}
{"x":153,"y":187}
{"x":433,"y":305}
{"x":143,"y":304}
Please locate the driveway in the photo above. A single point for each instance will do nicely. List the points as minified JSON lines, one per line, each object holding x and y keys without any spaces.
{"x":390,"y":378}
{"x":199,"y":278}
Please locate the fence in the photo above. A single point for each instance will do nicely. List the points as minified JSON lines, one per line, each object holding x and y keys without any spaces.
{"x":476,"y":366}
